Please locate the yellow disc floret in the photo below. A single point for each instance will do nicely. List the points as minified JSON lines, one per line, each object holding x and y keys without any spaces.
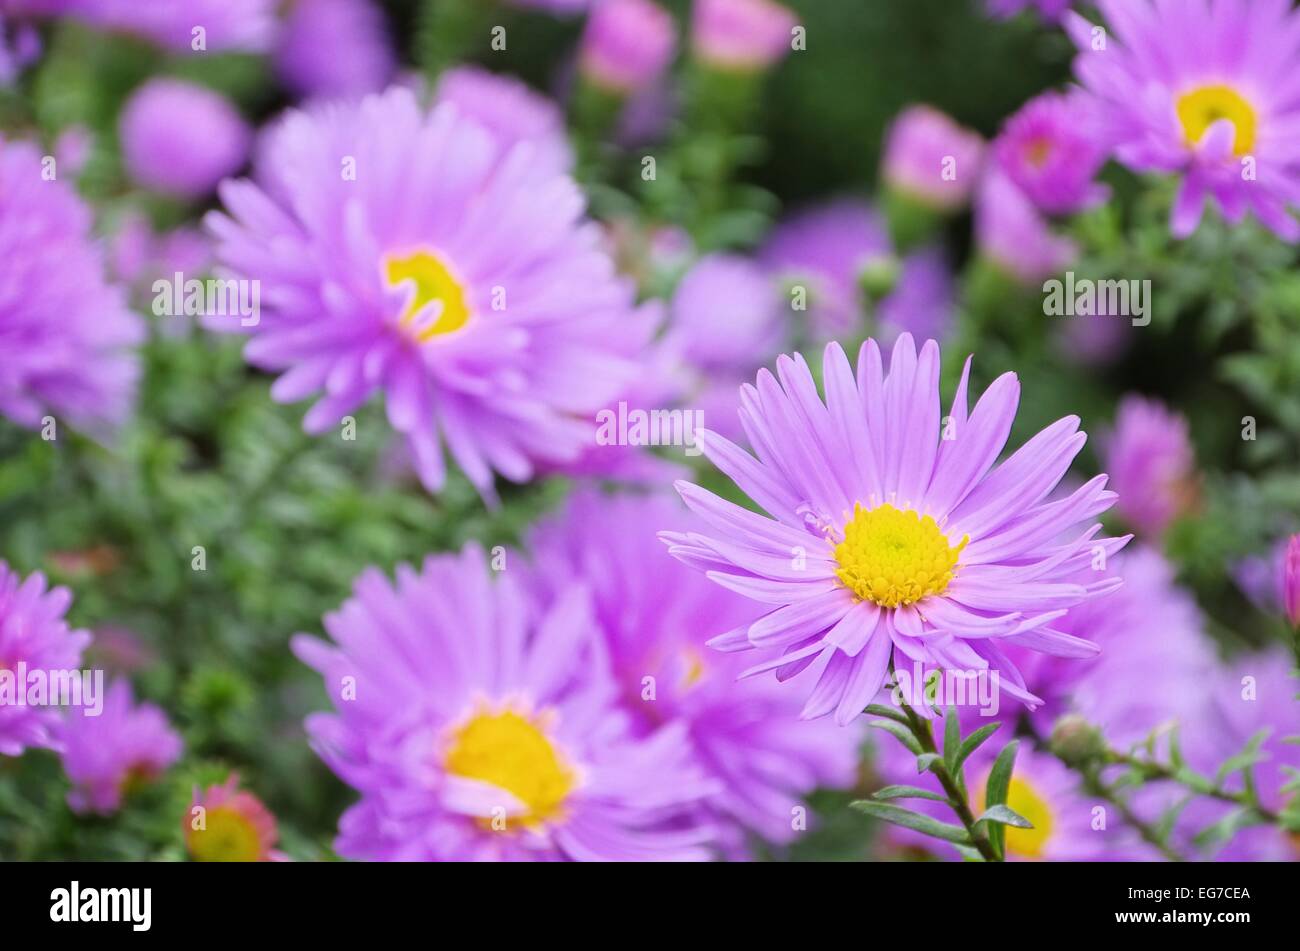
{"x":434,"y":281}
{"x":511,"y":751}
{"x":1024,"y":799}
{"x":895,"y":557}
{"x":227,"y":836}
{"x":1202,"y":107}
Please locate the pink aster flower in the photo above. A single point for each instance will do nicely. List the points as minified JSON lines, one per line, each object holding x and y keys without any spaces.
{"x":1154,"y":467}
{"x":627,"y":44}
{"x":1052,"y":150}
{"x":123,"y":746}
{"x":478,"y":723}
{"x":827,"y":249}
{"x":1206,"y":91}
{"x":334,"y":48}
{"x":1050,"y":10}
{"x":181,"y":139}
{"x":891,"y":536}
{"x":511,"y":111}
{"x":33,"y":633}
{"x":1012,"y":234}
{"x":1291,"y":582}
{"x":227,"y":824}
{"x":185,"y":26}
{"x":931,"y":159}
{"x":66,"y":334}
{"x":741,"y":34}
{"x":744,"y":734}
{"x":410,"y":253}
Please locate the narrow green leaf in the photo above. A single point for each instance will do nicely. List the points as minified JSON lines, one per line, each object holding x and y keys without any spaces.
{"x":951,"y":737}
{"x":907,"y":792}
{"x":889,"y":713}
{"x":1005,"y":815}
{"x":926,"y":761}
{"x":974,"y":742}
{"x":995,"y":793}
{"x":912,"y":820}
{"x":898,"y":732}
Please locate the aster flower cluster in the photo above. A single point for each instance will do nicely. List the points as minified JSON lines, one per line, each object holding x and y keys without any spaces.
{"x":621,"y":430}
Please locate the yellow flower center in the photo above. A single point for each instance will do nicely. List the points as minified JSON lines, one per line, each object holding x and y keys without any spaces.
{"x":895,"y":556}
{"x":434,"y":281}
{"x":1038,"y":151}
{"x":228,"y":836}
{"x":511,"y":752}
{"x":1202,"y":107}
{"x":1024,"y":799}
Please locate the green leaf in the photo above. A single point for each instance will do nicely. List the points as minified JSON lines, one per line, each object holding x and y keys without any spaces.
{"x":889,"y":713}
{"x":1005,"y":815}
{"x":898,"y":732}
{"x":972,"y":743}
{"x":907,"y":792}
{"x":995,"y":793}
{"x":926,"y":761}
{"x":912,"y":820}
{"x":951,"y":737}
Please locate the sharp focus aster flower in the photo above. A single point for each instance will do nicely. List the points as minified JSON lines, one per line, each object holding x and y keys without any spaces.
{"x":65,"y":334}
{"x":33,"y":634}
{"x":1151,"y":459}
{"x":227,"y":824}
{"x":411,"y":253}
{"x":479,"y":724}
{"x":181,"y":139}
{"x":107,"y":755}
{"x":1052,"y":149}
{"x":743,"y":734}
{"x":1208,"y":91}
{"x":891,"y":535}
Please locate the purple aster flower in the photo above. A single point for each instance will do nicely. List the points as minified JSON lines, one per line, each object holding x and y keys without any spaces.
{"x":931,"y":159}
{"x":479,"y":724}
{"x":1012,"y":234}
{"x":558,"y":7}
{"x":1151,"y":458}
{"x":727,"y":314}
{"x":827,"y":249}
{"x":1050,"y":10}
{"x":334,"y":48}
{"x":182,"y":139}
{"x":65,"y":333}
{"x":744,"y":734}
{"x":1291,"y":582}
{"x":627,"y":44}
{"x":20,"y":46}
{"x":33,"y":633}
{"x":409,"y":252}
{"x":742,"y":35}
{"x":510,"y":111}
{"x":1205,"y":91}
{"x":890,"y":534}
{"x":1052,"y":150}
{"x":107,"y":755}
{"x":1262,"y":578}
{"x":179,"y":25}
